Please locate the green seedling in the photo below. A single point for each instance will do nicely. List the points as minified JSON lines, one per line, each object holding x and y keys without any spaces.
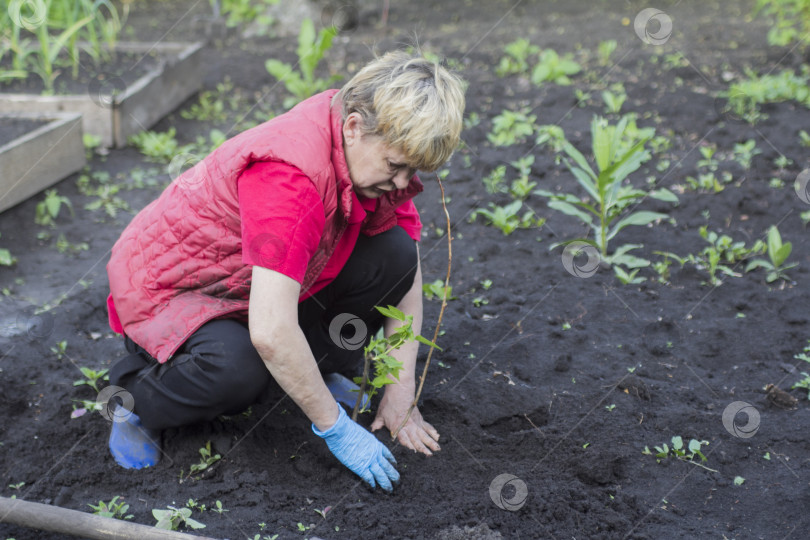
{"x":59,"y":349}
{"x":552,"y":135}
{"x":479,"y":301}
{"x":311,"y":49}
{"x":194,"y":505}
{"x":493,"y":182}
{"x":17,"y":486}
{"x":486,"y":284}
{"x":522,"y":187}
{"x":804,"y":138}
{"x":157,"y":147}
{"x":628,"y":278}
{"x":323,"y":512}
{"x":436,"y":290}
{"x":112,"y":509}
{"x":744,"y":153}
{"x":553,"y":68}
{"x":739,"y":480}
{"x":618,"y":151}
{"x":207,"y":458}
{"x":706,"y":183}
{"x":720,"y":255}
{"x":92,"y":377}
{"x":507,"y":218}
{"x":803,"y":383}
{"x":605,"y":49}
{"x":745,"y":96}
{"x":48,"y":210}
{"x":6,"y":258}
{"x":677,"y":450}
{"x":378,"y":352}
{"x":778,"y":253}
{"x":708,"y":160}
{"x":172,"y":518}
{"x":511,"y":127}
{"x":108,"y":200}
{"x":614,"y":98}
{"x":241,"y":12}
{"x":516,"y":59}
{"x":791,"y":21}
{"x":218,"y":508}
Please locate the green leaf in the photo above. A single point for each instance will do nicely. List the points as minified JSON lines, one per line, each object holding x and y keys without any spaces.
{"x":579,"y":159}
{"x":665,"y":195}
{"x":694,"y":446}
{"x":677,"y":442}
{"x":571,"y":210}
{"x":426,"y":341}
{"x":641,"y":218}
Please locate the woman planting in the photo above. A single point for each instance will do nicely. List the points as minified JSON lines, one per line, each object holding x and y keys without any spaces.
{"x":266,"y":259}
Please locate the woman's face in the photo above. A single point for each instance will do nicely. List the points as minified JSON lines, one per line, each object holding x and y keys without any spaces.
{"x":374,"y":167}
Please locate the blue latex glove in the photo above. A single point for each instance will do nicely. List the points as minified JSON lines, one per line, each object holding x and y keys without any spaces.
{"x":360,"y":451}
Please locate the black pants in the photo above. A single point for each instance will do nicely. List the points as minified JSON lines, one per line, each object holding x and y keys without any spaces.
{"x":218,"y":371}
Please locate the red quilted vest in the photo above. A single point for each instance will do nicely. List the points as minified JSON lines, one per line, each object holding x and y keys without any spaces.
{"x":178,"y":264}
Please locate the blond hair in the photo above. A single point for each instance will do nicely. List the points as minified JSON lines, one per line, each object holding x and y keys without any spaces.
{"x":415,"y":105}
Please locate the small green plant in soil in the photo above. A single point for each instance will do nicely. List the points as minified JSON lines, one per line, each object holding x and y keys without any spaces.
{"x":6,"y":258}
{"x":311,"y":49}
{"x":92,"y":377}
{"x":552,"y":67}
{"x":614,"y":98}
{"x":720,"y":255}
{"x":511,"y":127}
{"x":218,"y":508}
{"x":679,"y":451}
{"x":507,"y":218}
{"x":240,"y":12}
{"x":48,"y":210}
{"x":792,"y":21}
{"x":157,"y":147}
{"x":172,"y":518}
{"x":744,"y":153}
{"x":606,"y":207}
{"x":516,"y":59}
{"x":521,"y":188}
{"x":628,"y":278}
{"x":207,"y":458}
{"x":493,"y":182}
{"x":803,"y":383}
{"x":59,"y":349}
{"x":552,"y":135}
{"x":378,"y":353}
{"x":107,"y":198}
{"x":436,"y":290}
{"x":745,"y":96}
{"x":778,"y":253}
{"x":804,"y":138}
{"x":604,"y":51}
{"x":113,"y":509}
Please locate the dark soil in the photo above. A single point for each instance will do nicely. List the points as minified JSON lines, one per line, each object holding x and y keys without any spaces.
{"x":558,"y":380}
{"x":126,"y":67}
{"x":11,"y":128}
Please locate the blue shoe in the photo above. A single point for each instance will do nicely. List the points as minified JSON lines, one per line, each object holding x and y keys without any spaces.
{"x":345,"y":391}
{"x":132,"y":445}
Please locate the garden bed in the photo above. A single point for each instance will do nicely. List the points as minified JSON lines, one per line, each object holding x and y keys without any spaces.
{"x":558,"y":380}
{"x":116,"y":107}
{"x":36,"y":151}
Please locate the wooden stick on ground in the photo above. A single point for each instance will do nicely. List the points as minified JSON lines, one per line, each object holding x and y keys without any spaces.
{"x":441,"y":314}
{"x":85,"y":525}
